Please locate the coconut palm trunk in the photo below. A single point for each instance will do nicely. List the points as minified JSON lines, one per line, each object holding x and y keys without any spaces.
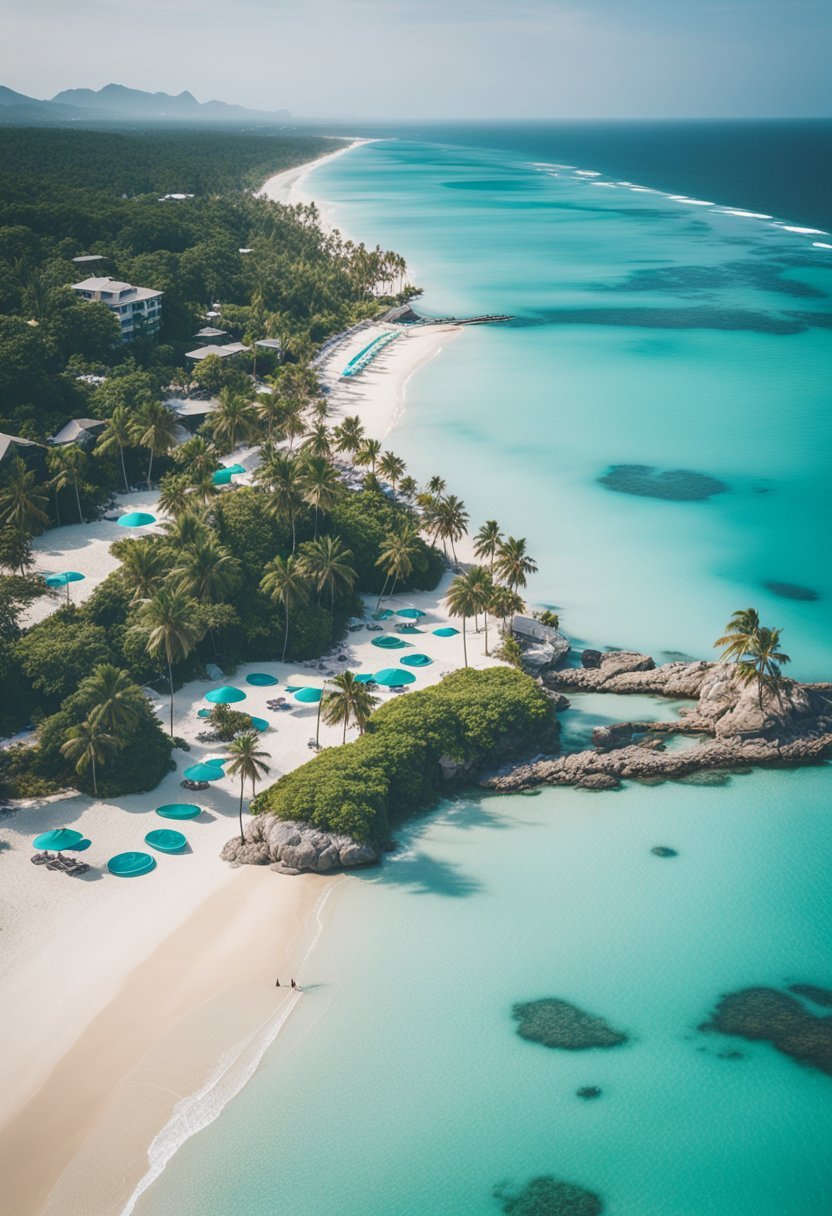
{"x":464,"y":642}
{"x":78,"y":501}
{"x":94,"y":776}
{"x":242,"y":791}
{"x":285,"y":632}
{"x":123,"y":468}
{"x":170,"y":682}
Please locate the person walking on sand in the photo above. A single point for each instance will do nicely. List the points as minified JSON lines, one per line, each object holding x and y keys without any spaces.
{"x":277,"y":983}
{"x":294,"y":985}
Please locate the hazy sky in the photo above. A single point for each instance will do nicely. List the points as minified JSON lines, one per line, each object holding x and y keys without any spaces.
{"x":436,"y":58}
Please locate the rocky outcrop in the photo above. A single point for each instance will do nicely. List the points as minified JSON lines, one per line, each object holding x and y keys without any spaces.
{"x":627,"y":671}
{"x":296,"y":848}
{"x":548,"y":1196}
{"x":777,"y":1018}
{"x":543,"y":647}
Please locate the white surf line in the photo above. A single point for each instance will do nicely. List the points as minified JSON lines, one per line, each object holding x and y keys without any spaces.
{"x":749,"y":215}
{"x":200,"y":1109}
{"x":821,"y":245}
{"x":801,"y":231}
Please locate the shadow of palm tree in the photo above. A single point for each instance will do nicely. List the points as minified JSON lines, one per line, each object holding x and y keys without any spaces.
{"x":425,"y":875}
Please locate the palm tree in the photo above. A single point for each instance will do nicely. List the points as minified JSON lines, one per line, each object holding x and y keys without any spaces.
{"x":481,"y":586}
{"x":451,"y":520}
{"x":317,"y":442}
{"x":143,"y":567}
{"x":172,"y":629}
{"x":408,"y":489}
{"x":154,"y":428}
{"x":112,"y":700}
{"x":320,"y":485}
{"x":347,"y":699}
{"x":392,"y":468}
{"x":368,"y":454}
{"x":69,"y":462}
{"x":249,"y":761}
{"x":118,"y":435}
{"x":175,"y":493}
{"x":286,"y":480}
{"x":284,"y":582}
{"x":488,"y":541}
{"x":197,"y":457}
{"x":293,"y":424}
{"x":436,"y":487}
{"x":88,"y":744}
{"x":513,"y":563}
{"x":763,"y":662}
{"x":206,"y":571}
{"x":22,"y":503}
{"x":270,"y":411}
{"x":184,"y":531}
{"x":326,"y":564}
{"x":235,"y":421}
{"x":395,"y":557}
{"x":349,"y":435}
{"x":740,"y":632}
{"x":504,"y":603}
{"x":464,"y":597}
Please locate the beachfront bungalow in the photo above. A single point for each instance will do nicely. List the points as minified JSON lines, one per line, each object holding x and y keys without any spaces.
{"x":15,"y":445}
{"x":191,"y":412}
{"x":81,"y":431}
{"x":138,"y":309}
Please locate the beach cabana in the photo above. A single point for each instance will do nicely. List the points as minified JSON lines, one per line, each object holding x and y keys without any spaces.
{"x":261,"y":679}
{"x":412,"y":614}
{"x":131,"y":865}
{"x":447,"y":632}
{"x":59,"y":838}
{"x":179,"y":810}
{"x":394,"y":677}
{"x":136,"y":519}
{"x":226,"y":694}
{"x":416,"y":660}
{"x":166,"y":840}
{"x":390,"y":642}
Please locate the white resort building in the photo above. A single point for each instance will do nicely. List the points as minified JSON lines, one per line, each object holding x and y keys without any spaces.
{"x":139,"y":309}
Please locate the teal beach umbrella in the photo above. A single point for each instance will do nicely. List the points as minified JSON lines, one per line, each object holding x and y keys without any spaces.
{"x":390,"y":642}
{"x":394,"y":677}
{"x":58,"y":838}
{"x":259,"y":723}
{"x":236,"y":468}
{"x":412,"y":613}
{"x":166,"y":840}
{"x":309,"y":696}
{"x":447,"y":632}
{"x":179,"y":810}
{"x":204,"y":772}
{"x":365,"y":677}
{"x":225,"y":695}
{"x":130,"y":865}
{"x":261,"y":679}
{"x":383,"y":614}
{"x":137,"y":519}
{"x":222,"y":477}
{"x":416,"y":660}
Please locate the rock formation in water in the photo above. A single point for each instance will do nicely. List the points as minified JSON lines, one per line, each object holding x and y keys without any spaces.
{"x":555,"y":1023}
{"x":764,"y":1014}
{"x":549,"y":1196}
{"x":736,"y":726}
{"x":543,"y":646}
{"x":296,"y":847}
{"x":674,"y":485}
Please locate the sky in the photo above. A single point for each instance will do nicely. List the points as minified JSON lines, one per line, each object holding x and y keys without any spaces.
{"x":434,"y":59}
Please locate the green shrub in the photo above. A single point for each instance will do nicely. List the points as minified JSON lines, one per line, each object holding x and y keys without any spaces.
{"x":394,"y":768}
{"x":229,"y":722}
{"x":362,"y":520}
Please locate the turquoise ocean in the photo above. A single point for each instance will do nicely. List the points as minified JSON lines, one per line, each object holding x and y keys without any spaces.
{"x":657,"y":326}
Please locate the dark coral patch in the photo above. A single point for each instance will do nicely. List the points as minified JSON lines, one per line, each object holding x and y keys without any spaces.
{"x":549,"y":1196}
{"x":556,"y":1023}
{"x":791,"y":591}
{"x":673,"y":485}
{"x":766,"y":1015}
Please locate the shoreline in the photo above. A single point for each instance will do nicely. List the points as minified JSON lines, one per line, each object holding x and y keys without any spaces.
{"x":87,"y":1069}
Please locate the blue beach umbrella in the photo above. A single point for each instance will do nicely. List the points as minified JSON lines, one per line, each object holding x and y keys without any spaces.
{"x":137,"y":519}
{"x":63,"y":580}
{"x":447,"y":632}
{"x":204,"y":772}
{"x":222,"y":477}
{"x":416,"y":660}
{"x":58,"y":838}
{"x":394,"y":677}
{"x":166,"y":840}
{"x":390,"y":642}
{"x":259,"y":723}
{"x":365,"y":677}
{"x":225,"y":695}
{"x":309,"y":696}
{"x":261,"y":679}
{"x":179,"y":810}
{"x":130,"y":865}
{"x":412,"y":613}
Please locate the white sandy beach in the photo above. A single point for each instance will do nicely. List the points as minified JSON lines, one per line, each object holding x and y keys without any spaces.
{"x":120,"y":996}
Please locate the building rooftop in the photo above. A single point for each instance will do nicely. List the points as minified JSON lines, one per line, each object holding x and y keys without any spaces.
{"x":13,"y":441}
{"x":115,"y":287}
{"x":208,"y":332}
{"x":75,"y":428}
{"x":89,"y":257}
{"x":269,"y":343}
{"x":223,"y":352}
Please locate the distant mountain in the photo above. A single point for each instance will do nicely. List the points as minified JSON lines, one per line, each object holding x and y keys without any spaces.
{"x":116,"y":103}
